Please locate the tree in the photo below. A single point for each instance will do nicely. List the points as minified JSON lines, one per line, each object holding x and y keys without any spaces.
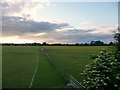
{"x":97,"y":43}
{"x":85,"y":44}
{"x":111,"y":43}
{"x":92,"y":43}
{"x":77,"y":44}
{"x":44,"y":43}
{"x":34,"y":44}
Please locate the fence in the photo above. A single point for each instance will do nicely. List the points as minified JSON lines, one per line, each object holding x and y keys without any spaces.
{"x":73,"y":83}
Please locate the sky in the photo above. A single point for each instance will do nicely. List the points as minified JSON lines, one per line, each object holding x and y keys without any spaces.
{"x":55,"y":21}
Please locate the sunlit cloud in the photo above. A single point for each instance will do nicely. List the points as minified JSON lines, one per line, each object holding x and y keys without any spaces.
{"x":28,"y":9}
{"x":15,"y":39}
{"x":33,"y":34}
{"x":105,"y":29}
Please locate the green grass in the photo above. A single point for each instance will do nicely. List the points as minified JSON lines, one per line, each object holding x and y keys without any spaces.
{"x":73,"y":59}
{"x":19,"y":64}
{"x":47,"y":76}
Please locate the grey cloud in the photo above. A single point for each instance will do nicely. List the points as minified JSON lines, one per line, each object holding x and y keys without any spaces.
{"x":84,"y":37}
{"x":79,"y":31}
{"x":9,"y":8}
{"x":17,"y":7}
{"x":89,"y":37}
{"x":19,"y":26}
{"x":71,"y":37}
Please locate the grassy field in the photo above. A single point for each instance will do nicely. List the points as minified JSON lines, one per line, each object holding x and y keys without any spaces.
{"x":19,"y":64}
{"x":73,"y":59}
{"x":47,"y":76}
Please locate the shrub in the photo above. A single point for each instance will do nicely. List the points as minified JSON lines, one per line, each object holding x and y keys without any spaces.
{"x":117,"y":42}
{"x":103,"y":72}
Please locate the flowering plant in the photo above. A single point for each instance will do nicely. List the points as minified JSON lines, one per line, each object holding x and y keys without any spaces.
{"x":103,"y":72}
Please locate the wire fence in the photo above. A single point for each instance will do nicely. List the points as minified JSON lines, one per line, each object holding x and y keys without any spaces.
{"x":72,"y":82}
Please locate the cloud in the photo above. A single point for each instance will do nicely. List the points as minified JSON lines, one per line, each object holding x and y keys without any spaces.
{"x":22,"y":8}
{"x":105,"y":29}
{"x":70,"y":36}
{"x":36,"y":10}
{"x":41,"y":31}
{"x":19,"y":25}
{"x":10,"y":7}
{"x":80,"y":36}
{"x":21,"y":20}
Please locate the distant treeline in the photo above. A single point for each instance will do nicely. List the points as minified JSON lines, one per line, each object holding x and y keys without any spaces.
{"x":92,"y":43}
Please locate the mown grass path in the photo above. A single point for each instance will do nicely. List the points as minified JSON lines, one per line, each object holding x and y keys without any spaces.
{"x":47,"y":75}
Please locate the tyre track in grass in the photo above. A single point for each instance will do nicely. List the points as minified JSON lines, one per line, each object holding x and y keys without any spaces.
{"x":46,"y":75}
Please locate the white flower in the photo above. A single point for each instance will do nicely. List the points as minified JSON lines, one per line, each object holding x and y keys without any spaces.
{"x":115,"y":85}
{"x":117,"y":77}
{"x":105,"y":83}
{"x":107,"y":77}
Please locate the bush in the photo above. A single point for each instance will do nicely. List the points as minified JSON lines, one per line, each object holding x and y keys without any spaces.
{"x":117,"y":42}
{"x":103,"y":72}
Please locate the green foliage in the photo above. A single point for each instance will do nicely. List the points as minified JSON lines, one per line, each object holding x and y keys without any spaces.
{"x":117,"y":43}
{"x":97,"y":43}
{"x":104,"y":72}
